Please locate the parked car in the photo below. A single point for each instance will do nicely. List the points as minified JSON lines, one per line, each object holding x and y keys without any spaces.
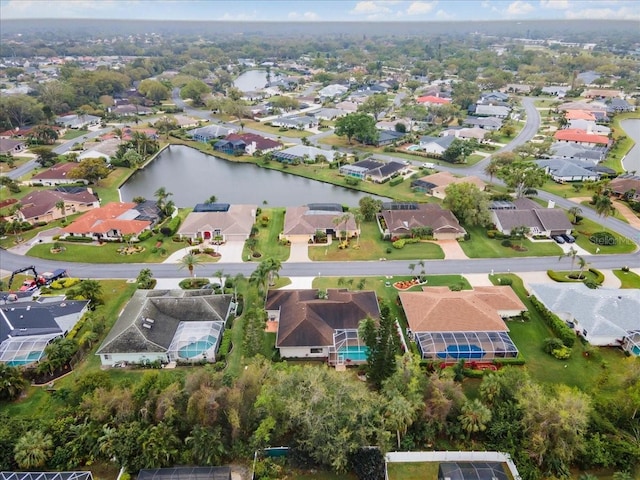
{"x":428,"y":165}
{"x":28,"y":286}
{"x":568,"y":238}
{"x":558,"y":239}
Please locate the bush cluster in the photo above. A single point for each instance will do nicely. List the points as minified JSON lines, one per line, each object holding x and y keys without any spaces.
{"x":64,"y":283}
{"x":396,"y":181}
{"x":225,"y":345}
{"x":558,"y":326}
{"x":145,"y":235}
{"x":399,"y":243}
{"x":78,"y":239}
{"x":171,"y":227}
{"x":603,"y":238}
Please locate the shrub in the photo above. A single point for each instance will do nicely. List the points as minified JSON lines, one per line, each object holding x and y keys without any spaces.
{"x":505,"y":281}
{"x":145,"y":235}
{"x":551,"y":343}
{"x":396,"y":181}
{"x":56,"y":285}
{"x":398,"y":244}
{"x":562,"y":353}
{"x":492,"y":233}
{"x":603,"y":238}
{"x":559,"y":327}
{"x":171,"y":227}
{"x":70,"y":282}
{"x":506,"y":243}
{"x":78,"y":239}
{"x":625,"y":269}
{"x":599,"y":276}
{"x":351,"y":181}
{"x":225,"y":345}
{"x":591,"y":284}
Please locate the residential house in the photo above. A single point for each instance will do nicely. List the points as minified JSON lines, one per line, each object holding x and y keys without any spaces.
{"x":332,"y":91}
{"x":130,"y":110}
{"x":329,"y":113}
{"x":486,"y":123}
{"x":626,"y":184}
{"x":77,"y":121}
{"x":248,"y":143}
{"x":401,"y":222}
{"x":587,"y":78}
{"x":106,"y":149}
{"x":518,"y":88}
{"x":615,"y":105}
{"x":579,"y":115}
{"x":110,"y":222}
{"x":498,"y":111}
{"x":27,"y":327}
{"x":578,"y":151}
{"x":602,"y":316}
{"x":41,"y":206}
{"x":233,"y":224}
{"x":375,"y":170}
{"x":602,"y":93}
{"x":304,"y":154}
{"x":302,"y":224}
{"x":467,"y":324}
{"x":210,"y":132}
{"x":301,"y":122}
{"x":559,"y":91}
{"x":475,"y":470}
{"x":22,"y":132}
{"x":589,"y":126}
{"x":437,"y":183}
{"x":386,"y":137}
{"x":9,"y":146}
{"x":581,"y":137}
{"x":323,"y":328}
{"x":184,"y":121}
{"x":58,"y":174}
{"x":167,"y":326}
{"x":428,"y":100}
{"x":562,"y":171}
{"x":180,"y":473}
{"x":436,"y":145}
{"x":527,"y":213}
{"x":489,"y":97}
{"x":349,"y":107}
{"x":465,"y":133}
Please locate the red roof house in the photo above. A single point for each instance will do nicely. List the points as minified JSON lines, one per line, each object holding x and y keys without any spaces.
{"x":576,"y":135}
{"x":433,"y":100}
{"x":109,"y":222}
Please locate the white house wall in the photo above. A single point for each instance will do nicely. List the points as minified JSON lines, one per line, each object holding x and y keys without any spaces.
{"x":302,"y":352}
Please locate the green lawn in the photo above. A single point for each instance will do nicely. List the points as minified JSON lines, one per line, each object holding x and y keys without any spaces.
{"x":480,"y":246}
{"x":70,"y":134}
{"x":628,"y":279}
{"x":372,"y":247}
{"x":292,"y":133}
{"x":587,"y":227}
{"x":268,"y":242}
{"x":107,"y":188}
{"x":107,"y":252}
{"x":566,"y":190}
{"x":601,"y":371}
{"x":412,"y":471}
{"x":588,"y":275}
{"x":236,"y":355}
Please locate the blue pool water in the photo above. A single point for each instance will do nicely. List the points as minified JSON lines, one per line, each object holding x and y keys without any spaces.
{"x":463,"y":351}
{"x":354,"y":353}
{"x":413,"y":148}
{"x":26,"y":360}
{"x":197,"y":348}
{"x":636,"y":351}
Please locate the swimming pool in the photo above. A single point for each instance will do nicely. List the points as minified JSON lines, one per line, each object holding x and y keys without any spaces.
{"x":413,"y":148}
{"x":354,"y":353}
{"x":198,"y":347}
{"x":636,"y":351}
{"x":469,"y":352}
{"x":26,"y":360}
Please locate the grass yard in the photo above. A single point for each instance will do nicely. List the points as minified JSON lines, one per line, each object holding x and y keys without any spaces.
{"x":70,"y":134}
{"x":236,"y":354}
{"x":588,"y":227}
{"x":372,"y":247}
{"x":267,"y":237}
{"x":107,"y":252}
{"x":107,"y":188}
{"x":292,"y":133}
{"x":412,"y":470}
{"x":628,"y":279}
{"x":566,"y":190}
{"x":587,"y":275}
{"x":621,"y":147}
{"x":601,"y":370}
{"x":480,"y":246}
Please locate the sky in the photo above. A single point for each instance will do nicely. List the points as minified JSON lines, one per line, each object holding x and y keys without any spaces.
{"x":324,"y":10}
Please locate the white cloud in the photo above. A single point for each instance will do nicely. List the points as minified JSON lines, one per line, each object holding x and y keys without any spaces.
{"x":306,"y":16}
{"x":623,"y":13}
{"x":555,"y":4}
{"x":420,"y":7}
{"x":442,"y":15}
{"x":370,"y":7}
{"x":519,"y":8}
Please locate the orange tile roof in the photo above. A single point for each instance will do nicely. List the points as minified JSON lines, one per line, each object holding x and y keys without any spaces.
{"x":580,"y":136}
{"x":438,"y":309}
{"x":433,"y":99}
{"x":579,"y":115}
{"x":106,"y":218}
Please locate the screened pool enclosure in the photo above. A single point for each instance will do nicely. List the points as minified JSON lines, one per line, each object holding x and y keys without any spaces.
{"x":452,"y":346}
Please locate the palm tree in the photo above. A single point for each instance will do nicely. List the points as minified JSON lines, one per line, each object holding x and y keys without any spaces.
{"x":582,"y":264}
{"x":59,"y":353}
{"x":575,"y":212}
{"x":11,"y":382}
{"x":399,"y":415}
{"x":412,"y":267}
{"x":161,"y":195}
{"x":211,"y":199}
{"x":359,"y":218}
{"x":190,"y":262}
{"x":206,"y":446}
{"x":474,"y":416}
{"x":33,"y":449}
{"x":491,"y":169}
{"x":92,"y":291}
{"x":572,"y":253}
{"x":219,"y":274}
{"x":61,"y":206}
{"x":604,"y":206}
{"x":422,"y":269}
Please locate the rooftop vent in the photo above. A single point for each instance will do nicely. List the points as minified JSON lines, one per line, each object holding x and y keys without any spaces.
{"x":146,"y":325}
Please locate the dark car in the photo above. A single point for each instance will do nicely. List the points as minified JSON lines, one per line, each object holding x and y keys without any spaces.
{"x":568,"y":238}
{"x":558,"y":239}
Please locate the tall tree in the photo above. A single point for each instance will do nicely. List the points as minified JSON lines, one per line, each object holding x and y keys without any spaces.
{"x":604,"y":206}
{"x":61,"y":206}
{"x":522,"y":176}
{"x":33,"y":449}
{"x":382,"y":341}
{"x":91,"y":169}
{"x":190,"y":262}
{"x":11,"y":382}
{"x":375,"y":105}
{"x":356,"y":125}
{"x":194,"y":90}
{"x":474,"y":417}
{"x":369,"y":207}
{"x":468,"y":203}
{"x":92,"y":291}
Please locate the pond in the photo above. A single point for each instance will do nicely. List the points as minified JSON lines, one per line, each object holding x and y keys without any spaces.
{"x":193,"y":177}
{"x":253,"y":80}
{"x":631,"y":162}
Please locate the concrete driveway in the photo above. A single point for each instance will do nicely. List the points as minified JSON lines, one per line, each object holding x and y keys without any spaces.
{"x":231,"y":252}
{"x":299,"y":252}
{"x":452,"y":249}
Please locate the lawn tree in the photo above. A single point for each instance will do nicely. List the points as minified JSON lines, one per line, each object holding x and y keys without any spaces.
{"x":145,"y":279}
{"x":357,"y":125}
{"x":153,"y":90}
{"x":165,"y":124}
{"x":43,"y":134}
{"x":33,"y":449}
{"x":522,"y":176}
{"x":521,"y":232}
{"x":45,"y":156}
{"x":491,"y":169}
{"x":384,"y":345}
{"x":58,"y":354}
{"x":582,"y":265}
{"x":61,"y":206}
{"x":11,"y":382}
{"x":465,"y":93}
{"x":195,"y":91}
{"x":604,"y":206}
{"x":161,"y":195}
{"x":219,"y":274}
{"x":575,"y":212}
{"x":133,"y":158}
{"x":474,"y":417}
{"x":91,"y":169}
{"x":92,"y":291}
{"x":369,"y":208}
{"x":375,"y":105}
{"x":190,"y":261}
{"x":572,"y":254}
{"x":459,"y":150}
{"x":468,"y":203}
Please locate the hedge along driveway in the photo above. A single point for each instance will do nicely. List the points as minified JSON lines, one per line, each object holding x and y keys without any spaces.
{"x":370,"y":246}
{"x":481,"y":246}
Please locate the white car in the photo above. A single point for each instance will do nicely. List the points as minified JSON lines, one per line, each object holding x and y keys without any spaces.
{"x":428,"y":165}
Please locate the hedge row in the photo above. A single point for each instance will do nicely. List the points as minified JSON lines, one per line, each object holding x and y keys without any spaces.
{"x":396,"y":181}
{"x":76,"y":328}
{"x":171,"y":227}
{"x":78,"y":239}
{"x":598,"y":274}
{"x":145,"y":235}
{"x":225,"y":345}
{"x":558,"y":326}
{"x":64,"y":283}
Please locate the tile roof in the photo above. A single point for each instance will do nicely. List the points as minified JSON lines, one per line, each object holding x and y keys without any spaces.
{"x":40,"y":202}
{"x":438,"y":309}
{"x":579,"y":115}
{"x":401,"y":222}
{"x":581,"y":136}
{"x":306,"y":320}
{"x":60,"y":171}
{"x":303,"y":221}
{"x":237,"y":220}
{"x":433,"y":99}
{"x":107,"y":218}
{"x":262,"y":143}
